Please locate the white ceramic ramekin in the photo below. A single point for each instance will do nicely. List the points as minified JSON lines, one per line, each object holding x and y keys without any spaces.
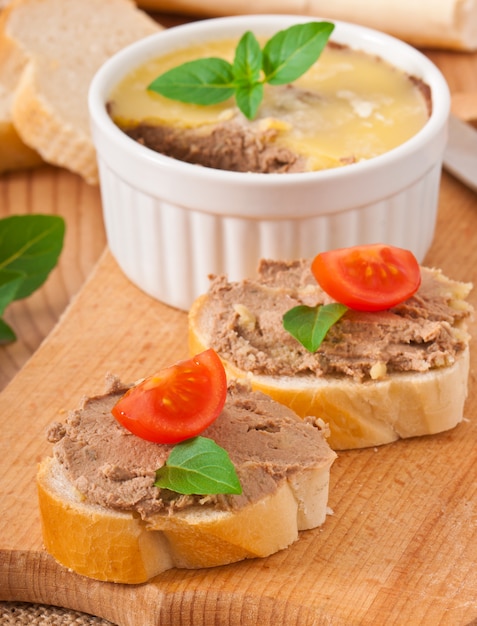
{"x":170,"y":224}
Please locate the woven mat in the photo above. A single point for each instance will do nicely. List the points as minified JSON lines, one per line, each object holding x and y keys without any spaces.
{"x":18,"y":613}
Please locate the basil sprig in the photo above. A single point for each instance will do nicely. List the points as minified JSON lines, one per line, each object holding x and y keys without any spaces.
{"x":29,"y":249}
{"x":285,"y":57}
{"x":310,"y":325}
{"x":198,"y":466}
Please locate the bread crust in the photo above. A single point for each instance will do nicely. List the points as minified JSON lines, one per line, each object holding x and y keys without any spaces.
{"x":47,"y":62}
{"x":114,"y":546}
{"x":102,"y":544}
{"x":14,"y":154}
{"x":361,"y":414}
{"x":40,"y":126}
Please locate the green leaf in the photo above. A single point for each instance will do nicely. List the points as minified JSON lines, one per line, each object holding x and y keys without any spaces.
{"x":6,"y":333}
{"x":310,"y":325}
{"x":285,"y":57}
{"x":9,"y":285}
{"x":291,"y":52}
{"x":30,"y":245}
{"x":203,"y":81}
{"x":198,"y":466}
{"x":248,"y":60}
{"x":29,"y":249}
{"x":248,"y":99}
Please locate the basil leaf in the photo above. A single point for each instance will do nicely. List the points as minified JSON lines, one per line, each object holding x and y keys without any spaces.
{"x":203,"y":81}
{"x":9,"y":285}
{"x":249,"y":98}
{"x":285,"y":57}
{"x":248,"y":60}
{"x":198,"y":466}
{"x":30,"y":244}
{"x":310,"y":325}
{"x":6,"y":333}
{"x":291,"y":52}
{"x":29,"y":249}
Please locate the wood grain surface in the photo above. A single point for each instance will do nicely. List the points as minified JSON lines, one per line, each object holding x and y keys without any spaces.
{"x":401,"y":546}
{"x":53,"y":191}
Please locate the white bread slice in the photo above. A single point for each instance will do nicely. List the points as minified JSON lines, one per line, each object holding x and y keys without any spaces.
{"x":52,"y":49}
{"x":360,"y":414}
{"x":111,"y":545}
{"x":108,"y":545}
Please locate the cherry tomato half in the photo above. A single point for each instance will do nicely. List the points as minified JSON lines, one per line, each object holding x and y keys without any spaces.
{"x":368,"y":278}
{"x":178,"y":402}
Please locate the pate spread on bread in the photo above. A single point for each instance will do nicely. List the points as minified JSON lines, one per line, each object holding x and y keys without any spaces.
{"x":116,"y":525}
{"x":377,"y":376}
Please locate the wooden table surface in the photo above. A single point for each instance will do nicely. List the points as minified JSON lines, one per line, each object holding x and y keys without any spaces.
{"x":401,"y":583}
{"x":54,"y":191}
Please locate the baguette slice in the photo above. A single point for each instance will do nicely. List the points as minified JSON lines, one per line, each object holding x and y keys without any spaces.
{"x":361,"y":414}
{"x":49,"y":52}
{"x":119,"y":546}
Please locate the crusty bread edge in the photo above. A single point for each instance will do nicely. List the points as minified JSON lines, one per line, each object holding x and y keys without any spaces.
{"x":361,"y":414}
{"x":33,"y":122}
{"x":39,"y":127}
{"x":15,"y":154}
{"x":55,"y":137}
{"x":105,"y":545}
{"x":108,"y":545}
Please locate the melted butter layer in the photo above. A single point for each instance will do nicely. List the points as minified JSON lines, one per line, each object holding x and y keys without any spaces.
{"x":348,"y":107}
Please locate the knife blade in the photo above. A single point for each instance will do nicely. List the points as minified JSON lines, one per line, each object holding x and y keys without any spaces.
{"x":460,"y":156}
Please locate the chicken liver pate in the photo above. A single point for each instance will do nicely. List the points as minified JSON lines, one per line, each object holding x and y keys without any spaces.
{"x":243,"y":321}
{"x":111,"y":467}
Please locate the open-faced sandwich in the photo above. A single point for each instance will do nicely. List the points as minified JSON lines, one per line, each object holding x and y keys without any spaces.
{"x":362,"y":337}
{"x":179,"y":470}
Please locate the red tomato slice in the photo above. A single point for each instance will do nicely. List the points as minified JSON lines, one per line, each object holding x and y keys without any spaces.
{"x":368,"y":278}
{"x":178,"y":402}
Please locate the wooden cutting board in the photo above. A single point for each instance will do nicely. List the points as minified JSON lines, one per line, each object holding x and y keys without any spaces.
{"x":400,"y":547}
